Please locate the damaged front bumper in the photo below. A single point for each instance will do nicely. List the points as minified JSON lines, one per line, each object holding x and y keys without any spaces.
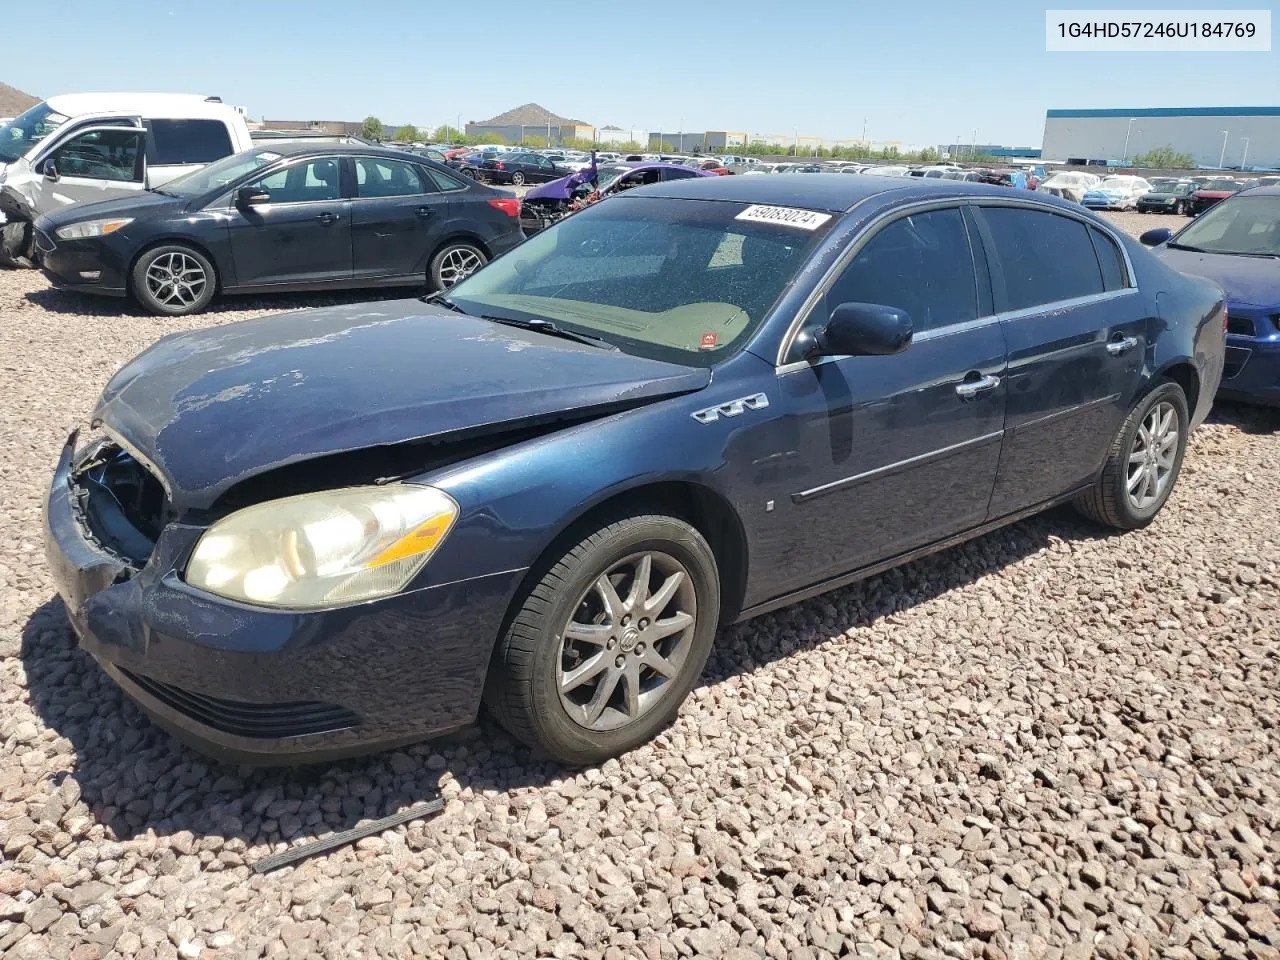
{"x":252,"y":685}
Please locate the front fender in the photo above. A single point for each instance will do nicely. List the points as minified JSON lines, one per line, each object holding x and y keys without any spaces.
{"x":515,"y":502}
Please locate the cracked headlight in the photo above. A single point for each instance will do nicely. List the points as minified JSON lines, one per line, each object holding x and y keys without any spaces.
{"x":323,"y":549}
{"x":92,"y":228}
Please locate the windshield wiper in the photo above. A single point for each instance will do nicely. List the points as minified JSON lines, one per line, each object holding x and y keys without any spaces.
{"x":1182,"y":246}
{"x":549,"y":328}
{"x":443,"y":301}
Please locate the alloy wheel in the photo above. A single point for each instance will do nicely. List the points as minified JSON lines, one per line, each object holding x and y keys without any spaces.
{"x":1152,"y":456}
{"x":626,"y":641}
{"x":176,"y":279}
{"x":458,"y":264}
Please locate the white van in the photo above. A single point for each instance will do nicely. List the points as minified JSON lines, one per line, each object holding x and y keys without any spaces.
{"x":82,"y":147}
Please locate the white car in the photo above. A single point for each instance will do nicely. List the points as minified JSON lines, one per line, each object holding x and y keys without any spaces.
{"x":886,"y":171}
{"x":1116,"y":193}
{"x":84,"y":147}
{"x":1070,"y":185}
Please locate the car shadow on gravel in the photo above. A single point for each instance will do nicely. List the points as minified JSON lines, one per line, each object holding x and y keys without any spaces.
{"x":1246,"y":417}
{"x":79,"y":304}
{"x":134,"y":778}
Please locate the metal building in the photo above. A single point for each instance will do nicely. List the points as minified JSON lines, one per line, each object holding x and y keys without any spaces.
{"x":1214,"y":136}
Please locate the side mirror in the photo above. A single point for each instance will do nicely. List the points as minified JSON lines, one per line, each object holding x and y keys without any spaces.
{"x":1155,"y":237}
{"x":251,"y":197}
{"x":863,"y":329}
{"x":51,"y":170}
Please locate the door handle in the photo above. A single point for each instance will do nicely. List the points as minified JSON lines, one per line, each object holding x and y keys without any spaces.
{"x":424,"y":211}
{"x":327,"y":217}
{"x":968,"y":389}
{"x":1121,"y":345}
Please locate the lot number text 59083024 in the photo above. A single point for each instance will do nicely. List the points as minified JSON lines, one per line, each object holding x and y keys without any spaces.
{"x":1122,"y":31}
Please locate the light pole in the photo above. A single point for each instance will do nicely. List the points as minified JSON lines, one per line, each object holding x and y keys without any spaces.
{"x":1127,"y":131}
{"x":680,"y":134}
{"x":1222,"y":158}
{"x":1244,"y":155}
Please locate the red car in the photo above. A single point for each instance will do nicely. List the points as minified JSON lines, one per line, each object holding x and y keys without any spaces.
{"x":1211,"y":192}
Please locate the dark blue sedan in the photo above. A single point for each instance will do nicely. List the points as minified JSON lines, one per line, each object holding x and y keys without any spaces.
{"x":325,"y":532}
{"x":1237,"y":244}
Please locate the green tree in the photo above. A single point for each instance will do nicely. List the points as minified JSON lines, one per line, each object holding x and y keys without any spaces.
{"x":408,"y":133}
{"x":447,"y":134}
{"x":1165,"y":158}
{"x":371,"y":129}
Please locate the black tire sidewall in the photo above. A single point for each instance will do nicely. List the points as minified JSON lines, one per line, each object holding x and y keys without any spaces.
{"x":557,"y":731}
{"x":433,"y":271}
{"x":138,"y":280}
{"x":1173,"y":393}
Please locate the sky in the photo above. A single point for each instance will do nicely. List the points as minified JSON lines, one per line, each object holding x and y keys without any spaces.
{"x":925,"y":72}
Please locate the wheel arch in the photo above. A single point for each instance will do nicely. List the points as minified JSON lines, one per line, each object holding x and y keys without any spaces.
{"x":1182,"y":372}
{"x":176,"y":240}
{"x":703,"y":508}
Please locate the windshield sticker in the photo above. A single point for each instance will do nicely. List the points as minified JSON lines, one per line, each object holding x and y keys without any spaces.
{"x":709,"y":340}
{"x":786,"y":216}
{"x":266,"y":155}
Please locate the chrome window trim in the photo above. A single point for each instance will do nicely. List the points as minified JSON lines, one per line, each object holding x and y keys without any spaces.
{"x":833,"y":272}
{"x":781,"y":366}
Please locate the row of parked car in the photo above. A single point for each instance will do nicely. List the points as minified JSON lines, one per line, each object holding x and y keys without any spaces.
{"x":1178,"y":195}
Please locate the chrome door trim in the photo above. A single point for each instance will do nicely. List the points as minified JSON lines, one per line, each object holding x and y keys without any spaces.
{"x":806,"y":495}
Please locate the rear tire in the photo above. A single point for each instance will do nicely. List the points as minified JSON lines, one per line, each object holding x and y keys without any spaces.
{"x":517,"y":178}
{"x":173,"y":280}
{"x":1143,"y":462}
{"x":586,"y":675}
{"x":453,"y":262}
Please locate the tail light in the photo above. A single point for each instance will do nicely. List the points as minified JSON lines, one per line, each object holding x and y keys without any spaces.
{"x":498,"y":164}
{"x":508,"y":205}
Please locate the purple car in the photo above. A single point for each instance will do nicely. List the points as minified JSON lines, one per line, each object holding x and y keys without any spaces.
{"x":1237,"y":244}
{"x":545,"y":204}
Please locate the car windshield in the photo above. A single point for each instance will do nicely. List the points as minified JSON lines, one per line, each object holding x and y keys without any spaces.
{"x":1183,"y":189}
{"x":1238,"y":225}
{"x":1220,"y":185}
{"x":24,"y":131}
{"x":1116,"y":183}
{"x":685,"y":281}
{"x":220,"y":173}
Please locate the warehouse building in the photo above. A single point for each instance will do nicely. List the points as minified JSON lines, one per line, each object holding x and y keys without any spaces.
{"x":1213,"y":136}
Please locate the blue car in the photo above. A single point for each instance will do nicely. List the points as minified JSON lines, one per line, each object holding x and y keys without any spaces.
{"x":326,"y":532}
{"x":1237,"y":244}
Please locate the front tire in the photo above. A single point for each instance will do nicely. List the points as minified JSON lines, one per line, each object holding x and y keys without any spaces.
{"x":607,"y":644}
{"x":454,"y":262}
{"x":174,"y":280}
{"x":1143,"y":462}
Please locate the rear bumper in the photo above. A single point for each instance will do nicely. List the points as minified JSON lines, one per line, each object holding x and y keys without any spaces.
{"x":252,"y":685}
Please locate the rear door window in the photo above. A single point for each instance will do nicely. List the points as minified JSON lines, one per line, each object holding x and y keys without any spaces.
{"x":177,"y":142}
{"x":1044,"y":257}
{"x":388,"y":178}
{"x":1111,"y":260}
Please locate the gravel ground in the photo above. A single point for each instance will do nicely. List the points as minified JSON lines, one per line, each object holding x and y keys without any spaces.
{"x":1051,"y":742}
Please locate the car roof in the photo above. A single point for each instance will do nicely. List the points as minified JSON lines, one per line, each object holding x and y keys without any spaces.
{"x":163,"y":105}
{"x":826,"y":191}
{"x":1266,"y":190}
{"x":303,"y":149}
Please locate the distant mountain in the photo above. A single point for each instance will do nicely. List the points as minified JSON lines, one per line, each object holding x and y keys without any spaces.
{"x":13,"y":102}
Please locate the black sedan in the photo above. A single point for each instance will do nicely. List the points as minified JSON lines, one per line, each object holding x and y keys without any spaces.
{"x":521,"y":167}
{"x":281,"y":218}
{"x":1169,"y":197}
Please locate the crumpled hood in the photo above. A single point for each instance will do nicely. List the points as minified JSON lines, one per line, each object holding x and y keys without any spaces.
{"x":210,"y":408}
{"x":1248,"y":281}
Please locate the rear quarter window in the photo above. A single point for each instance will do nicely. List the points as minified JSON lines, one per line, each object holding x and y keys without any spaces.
{"x":173,"y":142}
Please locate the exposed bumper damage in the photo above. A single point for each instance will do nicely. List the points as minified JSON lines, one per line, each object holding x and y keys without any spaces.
{"x":15,"y":229}
{"x":246,"y":684}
